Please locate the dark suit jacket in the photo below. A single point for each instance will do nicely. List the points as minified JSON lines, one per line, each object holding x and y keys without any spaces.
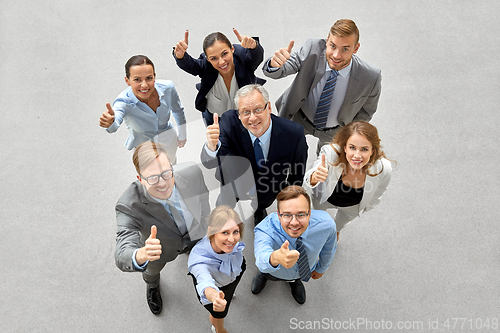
{"x":363,"y":89}
{"x":286,"y":158}
{"x":136,"y":212}
{"x":245,"y":61}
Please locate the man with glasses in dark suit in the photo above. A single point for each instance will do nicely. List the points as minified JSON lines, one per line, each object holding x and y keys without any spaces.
{"x":252,"y":141}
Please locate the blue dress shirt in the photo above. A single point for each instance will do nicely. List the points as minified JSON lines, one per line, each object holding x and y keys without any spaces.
{"x":143,"y":123}
{"x":319,"y":239}
{"x":212,"y":269}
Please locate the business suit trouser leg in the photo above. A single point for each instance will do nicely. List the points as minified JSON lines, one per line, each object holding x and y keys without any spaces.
{"x":152,"y":273}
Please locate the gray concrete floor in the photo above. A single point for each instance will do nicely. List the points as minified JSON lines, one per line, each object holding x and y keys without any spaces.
{"x":426,"y":257}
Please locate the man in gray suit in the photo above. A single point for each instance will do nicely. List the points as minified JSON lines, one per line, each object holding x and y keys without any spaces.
{"x":159,"y":216}
{"x":333,"y":86}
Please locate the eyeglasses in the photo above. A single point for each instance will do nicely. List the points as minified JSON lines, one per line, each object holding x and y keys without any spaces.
{"x":166,"y":175}
{"x":247,"y":114}
{"x":302,"y":217}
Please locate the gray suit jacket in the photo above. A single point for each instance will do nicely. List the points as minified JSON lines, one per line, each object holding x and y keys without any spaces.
{"x":363,"y":90}
{"x":136,"y":212}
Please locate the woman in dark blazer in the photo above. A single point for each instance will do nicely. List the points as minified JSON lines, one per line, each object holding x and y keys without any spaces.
{"x":223,"y":69}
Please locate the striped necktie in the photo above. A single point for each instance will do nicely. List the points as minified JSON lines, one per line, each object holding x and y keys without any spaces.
{"x":304,"y":269}
{"x":325,"y":100}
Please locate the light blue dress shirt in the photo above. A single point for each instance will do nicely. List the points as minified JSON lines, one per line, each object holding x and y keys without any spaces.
{"x":212,"y":269}
{"x":309,"y":108}
{"x":319,"y":239}
{"x":143,"y":123}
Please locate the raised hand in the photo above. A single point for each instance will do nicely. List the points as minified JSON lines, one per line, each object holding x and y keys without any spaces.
{"x":321,"y":172}
{"x":245,"y":41}
{"x":281,"y":56}
{"x":284,"y":256}
{"x":182,"y":46}
{"x":213,"y":134}
{"x":108,"y":117}
{"x":219,"y":303}
{"x":151,"y":250}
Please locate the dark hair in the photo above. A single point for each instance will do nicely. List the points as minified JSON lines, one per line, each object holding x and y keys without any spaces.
{"x":214,"y":37}
{"x":365,"y":129}
{"x":292,"y":192}
{"x":137,"y":60}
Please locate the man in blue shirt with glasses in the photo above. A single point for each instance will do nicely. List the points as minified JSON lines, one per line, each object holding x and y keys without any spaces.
{"x":294,"y":244}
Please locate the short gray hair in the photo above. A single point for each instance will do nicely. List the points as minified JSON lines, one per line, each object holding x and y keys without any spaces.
{"x":248,"y":89}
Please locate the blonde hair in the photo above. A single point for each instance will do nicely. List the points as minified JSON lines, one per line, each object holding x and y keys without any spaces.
{"x":146,"y":153}
{"x":218,"y":218}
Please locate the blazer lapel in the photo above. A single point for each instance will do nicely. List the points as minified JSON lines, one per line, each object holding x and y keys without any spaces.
{"x":320,"y":70}
{"x":352,"y":85}
{"x":159,"y":212}
{"x":276,"y":144}
{"x":190,"y":198}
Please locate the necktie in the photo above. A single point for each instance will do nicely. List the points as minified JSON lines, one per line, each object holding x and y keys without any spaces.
{"x":176,"y":214}
{"x":304,"y":269}
{"x":259,"y":155}
{"x":325,"y":100}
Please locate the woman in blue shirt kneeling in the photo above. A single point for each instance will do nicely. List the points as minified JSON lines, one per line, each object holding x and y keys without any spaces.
{"x":216,"y":264}
{"x":146,"y":106}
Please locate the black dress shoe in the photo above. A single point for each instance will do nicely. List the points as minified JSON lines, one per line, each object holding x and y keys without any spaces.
{"x":258,"y":283}
{"x":154,"y":300}
{"x":259,"y":215}
{"x":298,"y":291}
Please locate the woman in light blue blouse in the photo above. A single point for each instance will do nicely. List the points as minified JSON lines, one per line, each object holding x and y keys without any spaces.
{"x":216,"y":264}
{"x":146,"y":106}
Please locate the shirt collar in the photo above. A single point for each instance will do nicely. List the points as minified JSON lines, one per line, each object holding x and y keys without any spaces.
{"x":134,"y":98}
{"x":264,"y":138}
{"x":161,"y":201}
{"x":344,"y":71}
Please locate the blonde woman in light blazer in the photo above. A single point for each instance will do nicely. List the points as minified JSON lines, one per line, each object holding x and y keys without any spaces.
{"x":350,"y":174}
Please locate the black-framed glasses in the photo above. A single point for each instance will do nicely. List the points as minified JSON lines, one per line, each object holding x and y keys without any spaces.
{"x":302,"y":217}
{"x":154,"y":179}
{"x":247,"y":114}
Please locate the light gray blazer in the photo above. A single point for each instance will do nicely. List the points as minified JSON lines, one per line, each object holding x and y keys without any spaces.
{"x":363,"y":90}
{"x":374,"y":186}
{"x":136,"y":212}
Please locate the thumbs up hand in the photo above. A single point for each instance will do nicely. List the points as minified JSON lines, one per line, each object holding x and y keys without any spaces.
{"x":151,"y":250}
{"x":281,"y":56}
{"x":213,"y":134}
{"x":284,"y":257}
{"x":108,"y":117}
{"x":245,"y":41}
{"x":182,"y":46}
{"x":219,"y":303}
{"x":321,"y":172}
